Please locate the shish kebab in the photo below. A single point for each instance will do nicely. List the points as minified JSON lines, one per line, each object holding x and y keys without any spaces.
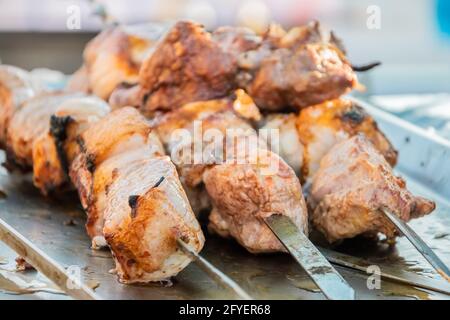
{"x":329,"y":267}
{"x":145,"y":240}
{"x":258,"y":64}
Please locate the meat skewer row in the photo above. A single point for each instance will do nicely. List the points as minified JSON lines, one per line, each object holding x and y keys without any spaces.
{"x":250,"y":187}
{"x":138,"y":246}
{"x":242,"y":193}
{"x":280,"y":70}
{"x":307,"y":138}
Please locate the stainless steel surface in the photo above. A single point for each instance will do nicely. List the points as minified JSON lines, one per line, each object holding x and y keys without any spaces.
{"x":44,"y":264}
{"x":215,"y":273}
{"x":56,"y":226}
{"x":330,"y":282}
{"x":420,"y":245}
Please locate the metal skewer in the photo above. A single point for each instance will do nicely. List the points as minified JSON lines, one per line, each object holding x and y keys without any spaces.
{"x":420,"y":245}
{"x":213,"y":272}
{"x":324,"y":275}
{"x":44,"y":264}
{"x":405,"y":277}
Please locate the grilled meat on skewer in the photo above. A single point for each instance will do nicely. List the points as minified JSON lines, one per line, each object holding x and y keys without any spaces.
{"x":16,"y":87}
{"x":242,"y":189}
{"x":279,"y":70}
{"x":306,"y":138}
{"x":352,"y":185}
{"x":133,"y":198}
{"x":28,"y":123}
{"x":114,"y":57}
{"x":54,"y":150}
{"x":321,"y":126}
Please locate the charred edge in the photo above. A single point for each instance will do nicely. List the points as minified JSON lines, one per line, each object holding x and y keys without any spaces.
{"x":58,"y":130}
{"x":90,"y":162}
{"x":366,"y":67}
{"x":81,"y":144}
{"x":355,"y":115}
{"x":157,"y":184}
{"x":132,"y":202}
{"x":126,"y":85}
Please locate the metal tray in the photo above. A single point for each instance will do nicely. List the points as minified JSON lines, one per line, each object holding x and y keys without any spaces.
{"x":57,"y":227}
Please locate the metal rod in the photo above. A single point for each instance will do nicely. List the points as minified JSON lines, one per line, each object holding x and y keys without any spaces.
{"x":44,"y":264}
{"x":332,"y":284}
{"x":406,"y":277}
{"x":420,"y":245}
{"x":213,"y":272}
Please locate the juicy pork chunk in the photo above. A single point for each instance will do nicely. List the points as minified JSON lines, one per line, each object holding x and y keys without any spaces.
{"x":245,"y":181}
{"x":279,"y":70}
{"x":55,"y":149}
{"x":321,"y":126}
{"x":351,"y":188}
{"x":134,"y":199}
{"x":28,"y":123}
{"x":16,"y":87}
{"x":114,"y":57}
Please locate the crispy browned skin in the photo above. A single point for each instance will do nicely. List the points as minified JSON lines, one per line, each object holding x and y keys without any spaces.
{"x":28,"y":123}
{"x":243,"y":189}
{"x":279,"y":70}
{"x":133,"y":198}
{"x":55,"y":149}
{"x":321,"y":126}
{"x":113,"y":57}
{"x":353,"y":184}
{"x":188,"y":65}
{"x":295,"y":69}
{"x":15,"y":88}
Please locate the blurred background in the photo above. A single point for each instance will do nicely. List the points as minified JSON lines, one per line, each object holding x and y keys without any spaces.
{"x":410,"y":38}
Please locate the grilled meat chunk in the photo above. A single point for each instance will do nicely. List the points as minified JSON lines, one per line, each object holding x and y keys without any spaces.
{"x":284,"y":69}
{"x":321,"y":126}
{"x":114,"y":57}
{"x":352,"y":185}
{"x":186,"y":66}
{"x":16,"y":87}
{"x":54,"y":150}
{"x":133,"y":198}
{"x":28,"y":123}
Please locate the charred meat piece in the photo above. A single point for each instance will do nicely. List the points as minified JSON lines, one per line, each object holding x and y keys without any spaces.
{"x":353,"y":184}
{"x":321,"y":126}
{"x":133,"y":198}
{"x":114,"y":57}
{"x":295,"y":69}
{"x":54,"y":150}
{"x":28,"y":123}
{"x":186,"y":66}
{"x":245,"y":181}
{"x":15,"y":87}
{"x":279,"y":70}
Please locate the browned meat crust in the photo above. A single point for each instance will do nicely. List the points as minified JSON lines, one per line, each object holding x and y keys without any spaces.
{"x":321,"y":126}
{"x":353,"y":184}
{"x":280,"y":70}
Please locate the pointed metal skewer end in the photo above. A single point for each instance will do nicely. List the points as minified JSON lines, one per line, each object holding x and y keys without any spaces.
{"x":420,"y":245}
{"x":213,"y":272}
{"x":332,"y":284}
